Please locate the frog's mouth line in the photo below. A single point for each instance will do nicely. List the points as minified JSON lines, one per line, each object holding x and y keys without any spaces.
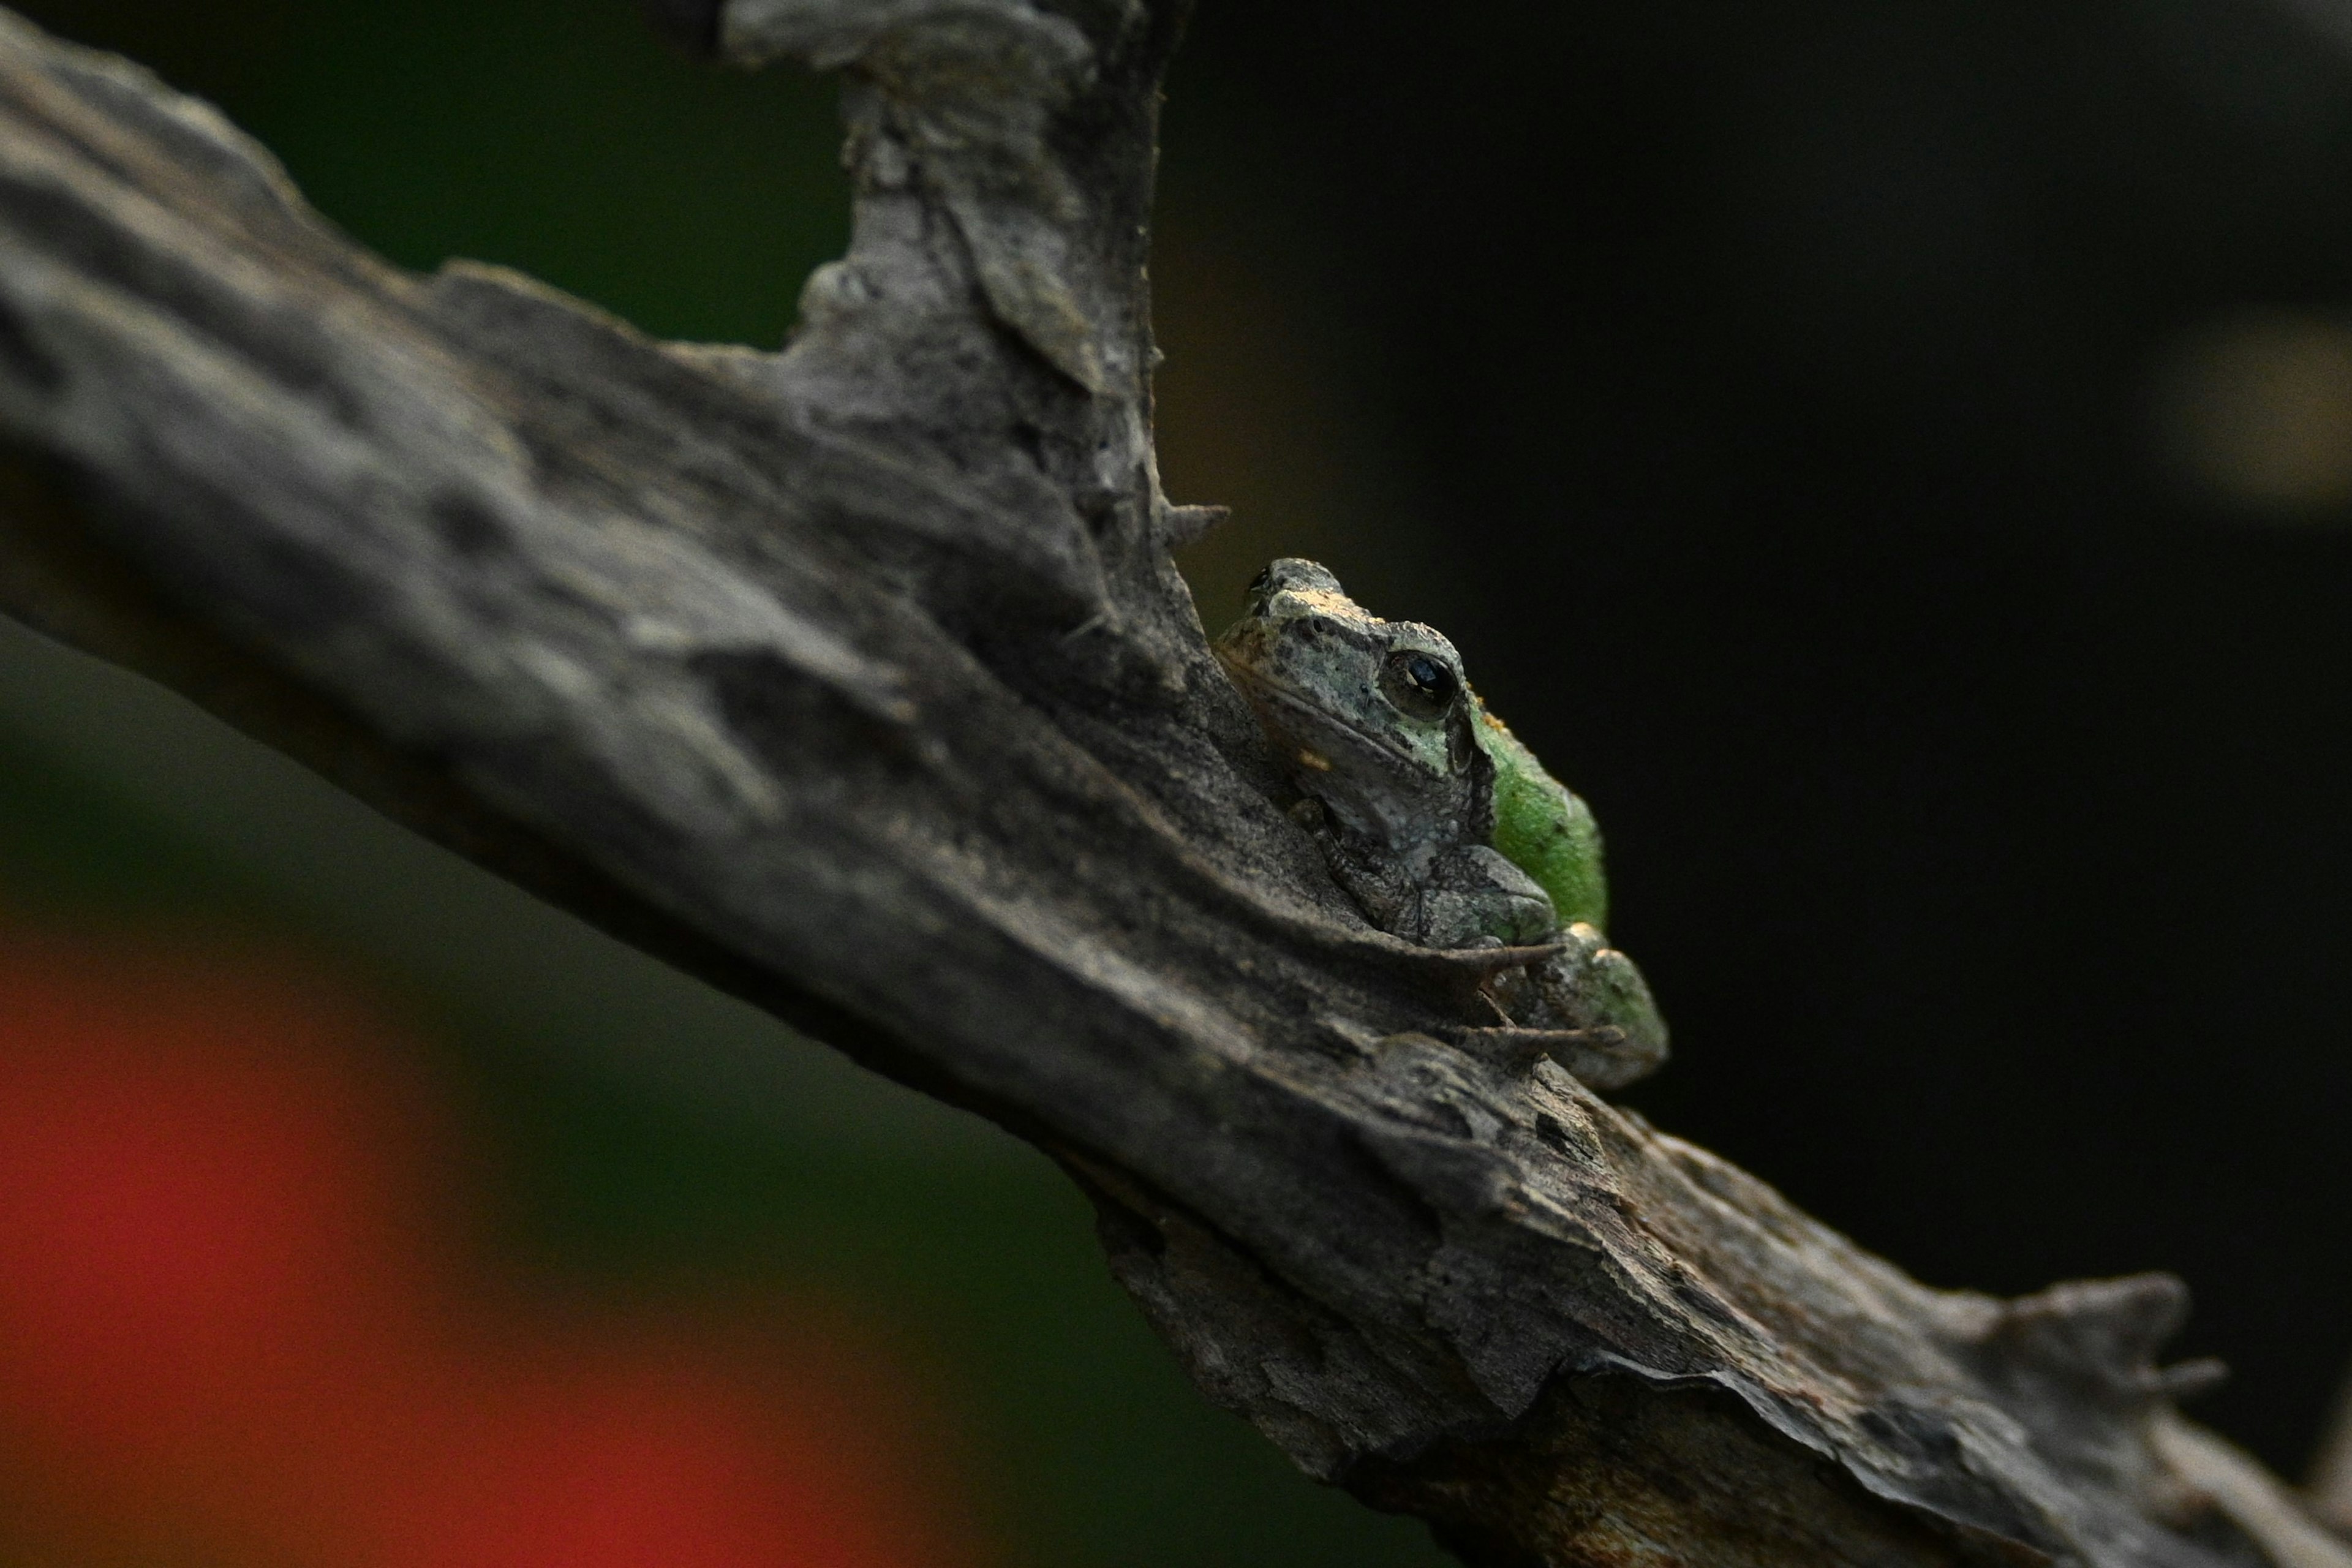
{"x":1256,"y":685}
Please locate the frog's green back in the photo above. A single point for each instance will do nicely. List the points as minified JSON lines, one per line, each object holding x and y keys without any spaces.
{"x":1543,"y":829}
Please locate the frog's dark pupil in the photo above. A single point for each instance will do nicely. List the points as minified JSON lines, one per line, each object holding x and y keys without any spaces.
{"x":1419,"y":684}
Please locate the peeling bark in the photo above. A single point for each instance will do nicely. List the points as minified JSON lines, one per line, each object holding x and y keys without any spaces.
{"x":857,"y":678}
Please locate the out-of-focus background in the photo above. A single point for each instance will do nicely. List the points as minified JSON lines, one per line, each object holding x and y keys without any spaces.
{"x":1894,"y":458}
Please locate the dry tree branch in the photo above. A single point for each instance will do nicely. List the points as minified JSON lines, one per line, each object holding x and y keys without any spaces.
{"x":2329,"y":1485}
{"x":857,"y":678}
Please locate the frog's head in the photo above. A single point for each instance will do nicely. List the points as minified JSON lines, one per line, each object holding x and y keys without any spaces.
{"x":1370,"y":717}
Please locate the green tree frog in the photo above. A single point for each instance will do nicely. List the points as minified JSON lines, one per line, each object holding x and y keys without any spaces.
{"x":1441,"y":825}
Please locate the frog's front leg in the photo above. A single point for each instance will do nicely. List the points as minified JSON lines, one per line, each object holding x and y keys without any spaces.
{"x":1461,"y":895}
{"x":1472,"y":895}
{"x":1381,"y":886}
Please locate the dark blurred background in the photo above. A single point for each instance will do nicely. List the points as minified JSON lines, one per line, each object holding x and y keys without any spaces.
{"x":1894,"y":457}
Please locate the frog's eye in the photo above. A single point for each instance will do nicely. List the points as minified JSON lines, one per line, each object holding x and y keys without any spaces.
{"x":1420,"y":684}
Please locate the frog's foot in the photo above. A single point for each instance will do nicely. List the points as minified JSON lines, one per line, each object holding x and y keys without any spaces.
{"x":1601,"y":1059}
{"x":1591,"y":998}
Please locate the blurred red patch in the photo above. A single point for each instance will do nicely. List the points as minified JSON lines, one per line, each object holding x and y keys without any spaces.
{"x":649,"y":1450}
{"x":231,"y":1309}
{"x":210,"y":1184}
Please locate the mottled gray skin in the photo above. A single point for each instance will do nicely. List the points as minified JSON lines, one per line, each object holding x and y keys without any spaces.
{"x":1403,"y":800}
{"x":1377,"y":727}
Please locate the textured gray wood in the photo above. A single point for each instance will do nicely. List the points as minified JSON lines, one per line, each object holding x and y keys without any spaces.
{"x":856,"y":678}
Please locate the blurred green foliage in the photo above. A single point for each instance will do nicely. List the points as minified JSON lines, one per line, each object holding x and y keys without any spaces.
{"x":548,"y":135}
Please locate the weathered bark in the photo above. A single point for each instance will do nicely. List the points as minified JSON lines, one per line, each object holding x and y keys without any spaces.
{"x":2329,"y":1486}
{"x":856,"y":678}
